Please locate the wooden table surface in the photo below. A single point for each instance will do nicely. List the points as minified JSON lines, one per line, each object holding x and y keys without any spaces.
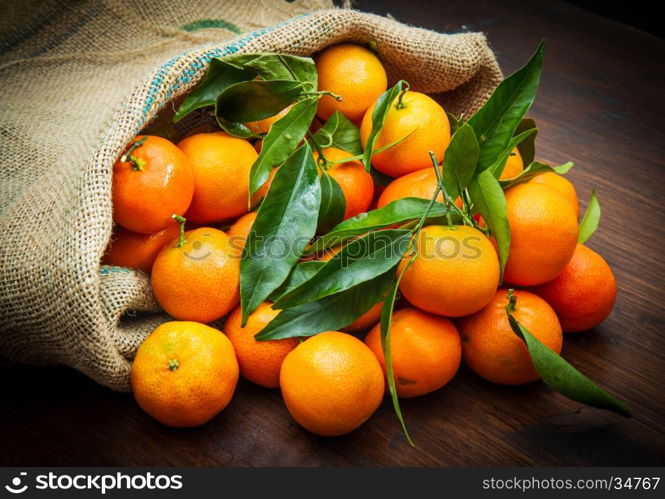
{"x":600,"y":105}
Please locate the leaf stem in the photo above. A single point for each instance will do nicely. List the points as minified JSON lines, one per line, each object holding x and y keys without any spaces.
{"x":466,"y":202}
{"x":327,"y":135}
{"x":439,"y":180}
{"x":450,"y":205}
{"x":181,"y":234}
{"x":421,"y":222}
{"x":359,"y":157}
{"x":335,"y":96}
{"x":321,"y":161}
{"x":386,"y":316}
{"x":386,"y":324}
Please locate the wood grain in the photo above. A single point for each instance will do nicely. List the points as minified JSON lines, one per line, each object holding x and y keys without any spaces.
{"x":600,"y":105}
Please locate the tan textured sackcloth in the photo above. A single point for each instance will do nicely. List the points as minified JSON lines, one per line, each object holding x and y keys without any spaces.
{"x":78,"y":80}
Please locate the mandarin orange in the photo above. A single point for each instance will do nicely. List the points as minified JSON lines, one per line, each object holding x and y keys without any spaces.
{"x":155,"y":181}
{"x":426,"y":351}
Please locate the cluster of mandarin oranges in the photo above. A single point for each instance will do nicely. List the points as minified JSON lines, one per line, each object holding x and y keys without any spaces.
{"x":451,"y":306}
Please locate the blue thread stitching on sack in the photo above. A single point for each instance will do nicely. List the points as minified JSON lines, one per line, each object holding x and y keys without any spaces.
{"x":195,"y":66}
{"x":112,"y":269}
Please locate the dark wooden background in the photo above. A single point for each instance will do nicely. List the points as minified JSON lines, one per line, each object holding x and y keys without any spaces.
{"x":601,"y":105}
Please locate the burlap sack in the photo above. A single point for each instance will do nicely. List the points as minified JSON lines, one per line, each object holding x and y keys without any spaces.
{"x":78,"y":81}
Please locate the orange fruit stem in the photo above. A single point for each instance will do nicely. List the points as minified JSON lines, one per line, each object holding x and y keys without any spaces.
{"x":512,"y":300}
{"x":181,"y":224}
{"x":137,"y":163}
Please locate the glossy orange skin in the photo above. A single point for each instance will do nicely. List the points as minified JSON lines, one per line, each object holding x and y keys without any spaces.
{"x":455,"y":273}
{"x":184,"y":373}
{"x":260,"y":361}
{"x":355,"y":74}
{"x":263,"y":126}
{"x":200,"y":280}
{"x":514,"y":165}
{"x":583,"y":294}
{"x":240,"y":229}
{"x":221,"y":165}
{"x":543,"y":231}
{"x":356,"y":183}
{"x":331,"y":383}
{"x":263,"y":190}
{"x":137,"y":251}
{"x":429,"y":129}
{"x":145,"y":200}
{"x":560,"y":184}
{"x":426,"y":351}
{"x":491,"y":348}
{"x":418,"y":184}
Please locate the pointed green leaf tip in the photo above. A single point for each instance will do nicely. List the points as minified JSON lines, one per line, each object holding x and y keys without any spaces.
{"x":496,"y":122}
{"x":591,"y":219}
{"x":564,"y":378}
{"x":459,"y":162}
{"x":386,"y":322}
{"x":379,"y":114}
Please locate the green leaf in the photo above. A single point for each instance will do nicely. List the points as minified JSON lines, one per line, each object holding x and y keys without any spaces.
{"x":283,"y":227}
{"x":527,"y":147}
{"x":500,"y":164}
{"x":564,"y":168}
{"x":280,"y":142}
{"x":454,"y":121}
{"x":496,"y":122}
{"x":219,"y":76}
{"x":386,"y":321}
{"x":234,"y":129}
{"x":281,"y":67}
{"x":488,"y":200}
{"x":257,"y":99}
{"x":533,"y":170}
{"x":331,"y":313}
{"x":564,"y":378}
{"x":339,"y":132}
{"x":591,"y":219}
{"x":397,"y":212}
{"x":224,"y":72}
{"x":359,"y":261}
{"x":333,"y":204}
{"x":459,"y":162}
{"x":379,"y":114}
{"x":299,"y":274}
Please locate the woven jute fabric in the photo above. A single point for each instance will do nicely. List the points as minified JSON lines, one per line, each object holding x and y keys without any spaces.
{"x":78,"y":80}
